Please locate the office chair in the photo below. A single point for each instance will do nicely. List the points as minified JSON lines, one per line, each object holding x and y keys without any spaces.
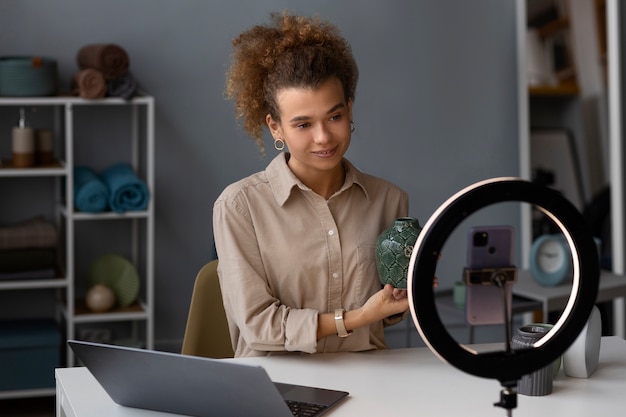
{"x":206,"y":333}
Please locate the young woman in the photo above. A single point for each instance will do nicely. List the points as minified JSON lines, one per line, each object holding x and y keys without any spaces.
{"x":296,"y":242}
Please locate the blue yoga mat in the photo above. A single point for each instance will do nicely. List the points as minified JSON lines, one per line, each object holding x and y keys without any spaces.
{"x":91,"y":195}
{"x":127,"y":192}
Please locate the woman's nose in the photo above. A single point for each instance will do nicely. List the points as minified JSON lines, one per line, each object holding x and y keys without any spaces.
{"x":322,"y":134}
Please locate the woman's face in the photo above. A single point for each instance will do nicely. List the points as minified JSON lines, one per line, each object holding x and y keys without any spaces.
{"x":315,"y":125}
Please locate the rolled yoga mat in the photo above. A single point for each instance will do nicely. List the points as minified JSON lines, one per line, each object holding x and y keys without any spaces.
{"x":91,"y":195}
{"x":127,"y":192}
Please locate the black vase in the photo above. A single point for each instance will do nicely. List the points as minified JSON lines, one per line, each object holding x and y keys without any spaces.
{"x":538,"y":382}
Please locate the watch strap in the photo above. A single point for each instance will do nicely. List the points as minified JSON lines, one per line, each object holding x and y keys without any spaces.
{"x":339,"y":323}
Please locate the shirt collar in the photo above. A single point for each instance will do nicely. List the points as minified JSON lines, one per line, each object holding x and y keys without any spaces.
{"x":282,"y":179}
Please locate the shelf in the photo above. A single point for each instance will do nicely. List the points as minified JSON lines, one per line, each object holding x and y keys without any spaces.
{"x":27,"y":284}
{"x":139,"y":152}
{"x":62,"y":100}
{"x":601,"y":136}
{"x":136,"y":311}
{"x":107,"y":215}
{"x":55,"y":169}
{"x":555,"y":26}
{"x":561,"y":90}
{"x":28,"y":393}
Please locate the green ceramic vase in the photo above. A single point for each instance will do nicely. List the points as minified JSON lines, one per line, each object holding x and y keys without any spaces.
{"x":393,"y":251}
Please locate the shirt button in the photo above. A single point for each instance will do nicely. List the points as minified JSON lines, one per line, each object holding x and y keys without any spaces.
{"x":335,"y":275}
{"x":331,"y":232}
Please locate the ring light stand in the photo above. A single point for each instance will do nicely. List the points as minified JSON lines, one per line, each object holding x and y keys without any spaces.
{"x":505,"y":366}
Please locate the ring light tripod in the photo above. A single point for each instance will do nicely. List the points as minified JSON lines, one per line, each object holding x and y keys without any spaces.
{"x":505,"y":366}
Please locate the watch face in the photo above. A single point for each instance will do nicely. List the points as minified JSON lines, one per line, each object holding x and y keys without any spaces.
{"x":551,"y":256}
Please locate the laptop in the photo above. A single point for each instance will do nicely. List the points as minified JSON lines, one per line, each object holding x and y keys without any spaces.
{"x":195,"y":386}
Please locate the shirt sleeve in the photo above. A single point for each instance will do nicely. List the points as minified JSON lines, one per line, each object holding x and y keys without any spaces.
{"x":257,"y":318}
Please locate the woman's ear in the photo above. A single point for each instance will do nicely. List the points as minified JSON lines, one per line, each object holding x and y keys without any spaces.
{"x":272,"y":124}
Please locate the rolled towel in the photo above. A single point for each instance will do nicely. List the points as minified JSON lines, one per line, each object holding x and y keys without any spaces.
{"x":124,"y":87}
{"x":112,"y":60}
{"x":127,"y":192}
{"x":89,"y":83}
{"x":91,"y":195}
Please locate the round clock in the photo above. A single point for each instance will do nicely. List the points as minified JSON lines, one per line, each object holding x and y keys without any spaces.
{"x":550,"y":260}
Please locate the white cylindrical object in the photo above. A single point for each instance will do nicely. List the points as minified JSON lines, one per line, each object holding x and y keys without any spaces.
{"x":581,"y":359}
{"x":23,"y":147}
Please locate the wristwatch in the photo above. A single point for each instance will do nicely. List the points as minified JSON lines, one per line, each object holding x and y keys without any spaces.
{"x":341,"y":327}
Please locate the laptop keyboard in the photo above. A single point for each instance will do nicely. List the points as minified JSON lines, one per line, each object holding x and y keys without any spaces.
{"x":301,"y":409}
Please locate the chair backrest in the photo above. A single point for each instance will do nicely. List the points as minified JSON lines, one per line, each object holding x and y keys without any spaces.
{"x":207,"y":332}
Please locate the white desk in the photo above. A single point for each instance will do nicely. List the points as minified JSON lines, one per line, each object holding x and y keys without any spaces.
{"x":396,"y":382}
{"x":611,"y":287}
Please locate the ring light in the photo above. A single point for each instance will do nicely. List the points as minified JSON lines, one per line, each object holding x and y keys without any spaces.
{"x":507,"y":367}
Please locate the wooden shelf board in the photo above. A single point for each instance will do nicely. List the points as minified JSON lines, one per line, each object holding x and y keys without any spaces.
{"x":8,"y":164}
{"x":553,"y":27}
{"x":81,"y":309}
{"x":554,"y":90}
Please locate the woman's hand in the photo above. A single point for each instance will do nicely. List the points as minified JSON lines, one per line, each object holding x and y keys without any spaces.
{"x":399,"y":293}
{"x":385,"y":303}
{"x":389,"y":299}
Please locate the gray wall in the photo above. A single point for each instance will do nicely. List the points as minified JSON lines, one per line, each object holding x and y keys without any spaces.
{"x":436,"y":107}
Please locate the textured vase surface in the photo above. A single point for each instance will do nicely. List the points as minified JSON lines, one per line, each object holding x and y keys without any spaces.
{"x":393,"y":251}
{"x":538,"y":382}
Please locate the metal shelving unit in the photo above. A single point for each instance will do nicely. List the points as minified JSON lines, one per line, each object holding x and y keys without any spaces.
{"x":71,"y":311}
{"x":614,"y":16}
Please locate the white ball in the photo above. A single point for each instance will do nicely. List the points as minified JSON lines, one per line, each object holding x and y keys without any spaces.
{"x":100,"y":298}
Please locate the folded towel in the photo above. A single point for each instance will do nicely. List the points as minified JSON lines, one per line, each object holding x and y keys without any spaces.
{"x":126,"y":191}
{"x":89,"y":83}
{"x":19,"y":260}
{"x":124,"y":86}
{"x":90,"y":193}
{"x":110,"y":59}
{"x":32,"y":233}
{"x":45,"y":273}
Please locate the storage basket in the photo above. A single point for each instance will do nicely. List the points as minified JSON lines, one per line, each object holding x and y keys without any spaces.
{"x":30,"y":350}
{"x":23,"y":76}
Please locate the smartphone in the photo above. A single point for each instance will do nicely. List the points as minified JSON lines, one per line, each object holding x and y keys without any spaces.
{"x":488,"y":247}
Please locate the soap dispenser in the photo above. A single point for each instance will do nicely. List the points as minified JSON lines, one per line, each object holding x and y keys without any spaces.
{"x":23,"y":144}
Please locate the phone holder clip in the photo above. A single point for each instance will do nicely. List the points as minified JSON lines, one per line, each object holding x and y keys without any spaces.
{"x":490,"y":276}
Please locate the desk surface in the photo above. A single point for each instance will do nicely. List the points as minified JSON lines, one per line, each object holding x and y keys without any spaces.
{"x":395,"y":382}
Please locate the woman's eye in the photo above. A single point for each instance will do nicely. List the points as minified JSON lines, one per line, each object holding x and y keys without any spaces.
{"x":303,"y":125}
{"x":336,"y":117}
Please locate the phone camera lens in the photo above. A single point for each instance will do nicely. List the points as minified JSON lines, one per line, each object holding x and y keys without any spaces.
{"x":481,"y":238}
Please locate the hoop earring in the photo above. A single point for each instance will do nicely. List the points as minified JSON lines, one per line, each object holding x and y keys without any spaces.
{"x":279,"y":144}
{"x":352,"y":127}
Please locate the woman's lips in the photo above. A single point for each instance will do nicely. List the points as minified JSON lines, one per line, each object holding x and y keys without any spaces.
{"x":325,"y":153}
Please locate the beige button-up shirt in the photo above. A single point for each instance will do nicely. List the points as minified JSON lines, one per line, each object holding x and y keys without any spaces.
{"x":286,"y":254}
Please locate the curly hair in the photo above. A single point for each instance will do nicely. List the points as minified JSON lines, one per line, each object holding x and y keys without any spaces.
{"x":292,"y":51}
